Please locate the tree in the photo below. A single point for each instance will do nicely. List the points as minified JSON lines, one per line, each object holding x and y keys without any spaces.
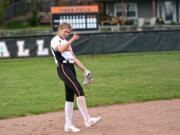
{"x":4,"y":4}
{"x":34,"y":17}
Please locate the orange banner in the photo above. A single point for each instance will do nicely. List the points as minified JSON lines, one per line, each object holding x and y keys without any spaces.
{"x":75,"y":9}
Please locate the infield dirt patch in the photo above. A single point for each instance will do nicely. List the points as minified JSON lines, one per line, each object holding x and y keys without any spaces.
{"x":148,"y":118}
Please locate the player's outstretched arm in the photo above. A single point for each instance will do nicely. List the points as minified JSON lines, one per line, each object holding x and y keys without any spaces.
{"x":79,"y":64}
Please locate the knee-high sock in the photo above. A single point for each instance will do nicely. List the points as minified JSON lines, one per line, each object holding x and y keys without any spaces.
{"x":69,"y":112}
{"x":81,"y":102}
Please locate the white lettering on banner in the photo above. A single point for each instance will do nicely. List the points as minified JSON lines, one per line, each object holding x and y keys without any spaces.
{"x":3,"y":50}
{"x":41,"y":51}
{"x":21,"y":51}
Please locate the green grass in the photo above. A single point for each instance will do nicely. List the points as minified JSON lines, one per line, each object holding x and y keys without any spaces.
{"x":31,"y":86}
{"x":19,"y":24}
{"x":15,"y":24}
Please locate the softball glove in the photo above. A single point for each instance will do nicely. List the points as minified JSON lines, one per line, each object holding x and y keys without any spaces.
{"x":88,"y":77}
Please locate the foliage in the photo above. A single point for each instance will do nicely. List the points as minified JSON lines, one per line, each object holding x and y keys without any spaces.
{"x":3,"y":5}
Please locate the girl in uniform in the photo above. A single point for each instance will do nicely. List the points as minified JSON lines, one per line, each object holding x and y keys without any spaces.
{"x":65,"y":60}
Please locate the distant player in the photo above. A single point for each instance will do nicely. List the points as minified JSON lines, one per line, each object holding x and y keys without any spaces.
{"x":65,"y":60}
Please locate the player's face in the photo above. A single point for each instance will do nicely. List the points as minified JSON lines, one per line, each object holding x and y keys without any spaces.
{"x":65,"y":32}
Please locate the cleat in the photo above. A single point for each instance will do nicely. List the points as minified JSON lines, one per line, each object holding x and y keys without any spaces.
{"x":71,"y":129}
{"x":92,"y":121}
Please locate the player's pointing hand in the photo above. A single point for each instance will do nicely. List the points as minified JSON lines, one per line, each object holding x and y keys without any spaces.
{"x":75,"y":36}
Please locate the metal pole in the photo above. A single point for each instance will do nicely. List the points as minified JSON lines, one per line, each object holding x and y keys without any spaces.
{"x":177,"y":10}
{"x":123,"y":8}
{"x":154,"y":8}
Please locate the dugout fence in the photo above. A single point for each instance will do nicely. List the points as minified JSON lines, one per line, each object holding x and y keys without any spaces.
{"x":94,"y":43}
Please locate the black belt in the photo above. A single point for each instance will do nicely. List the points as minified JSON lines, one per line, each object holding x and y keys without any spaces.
{"x":66,"y":62}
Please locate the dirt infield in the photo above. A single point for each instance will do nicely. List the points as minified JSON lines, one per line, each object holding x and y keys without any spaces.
{"x":149,"y":118}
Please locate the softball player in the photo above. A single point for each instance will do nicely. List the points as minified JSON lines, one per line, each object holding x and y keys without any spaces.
{"x":65,"y":60}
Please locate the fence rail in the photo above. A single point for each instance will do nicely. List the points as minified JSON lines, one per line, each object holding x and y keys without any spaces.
{"x":106,"y":29}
